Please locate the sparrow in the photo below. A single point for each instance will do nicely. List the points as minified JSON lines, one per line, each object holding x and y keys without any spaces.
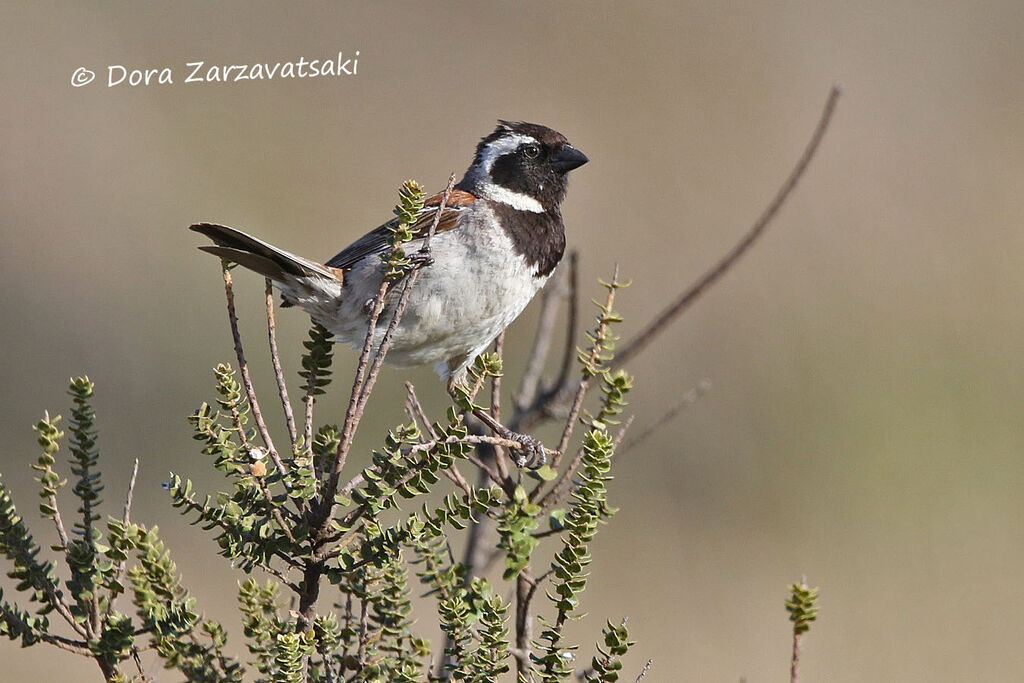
{"x":499,"y":238}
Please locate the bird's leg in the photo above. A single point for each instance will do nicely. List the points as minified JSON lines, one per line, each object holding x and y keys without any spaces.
{"x":421,"y":258}
{"x":531,"y":453}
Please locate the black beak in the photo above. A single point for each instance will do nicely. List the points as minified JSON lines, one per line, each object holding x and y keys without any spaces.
{"x":568,"y":158}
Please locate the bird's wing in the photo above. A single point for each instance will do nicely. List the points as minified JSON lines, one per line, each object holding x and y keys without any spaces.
{"x":376,"y":241}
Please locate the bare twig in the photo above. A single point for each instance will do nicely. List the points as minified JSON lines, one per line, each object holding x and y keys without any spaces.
{"x":348,"y":426}
{"x":417,"y":409}
{"x":243,"y":368}
{"x":275,"y":359}
{"x":499,"y":451}
{"x":545,"y":402}
{"x":643,"y":672}
{"x":128,"y":499}
{"x":688,"y":399}
{"x":581,"y":391}
{"x":526,"y":587}
{"x":275,"y":511}
{"x":362,"y":387}
{"x":126,"y":515}
{"x":456,"y":478}
{"x":661,"y":321}
{"x":364,"y":621}
{"x":621,"y":434}
{"x":564,"y":380}
{"x":550,"y":302}
{"x":794,"y":664}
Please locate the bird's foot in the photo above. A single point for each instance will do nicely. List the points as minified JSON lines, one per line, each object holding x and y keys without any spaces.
{"x":530,"y":454}
{"x":420,"y":259}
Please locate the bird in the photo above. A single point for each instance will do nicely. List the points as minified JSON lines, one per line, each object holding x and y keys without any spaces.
{"x":499,"y":237}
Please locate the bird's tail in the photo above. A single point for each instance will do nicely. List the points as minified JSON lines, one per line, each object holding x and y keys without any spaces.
{"x":256,"y":255}
{"x":301,"y":281}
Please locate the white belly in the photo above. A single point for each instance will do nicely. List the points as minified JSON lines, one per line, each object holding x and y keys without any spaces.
{"x":476,"y":286}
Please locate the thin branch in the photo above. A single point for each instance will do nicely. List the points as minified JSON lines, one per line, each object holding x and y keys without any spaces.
{"x":794,"y":664}
{"x":348,"y":427}
{"x":417,"y":408}
{"x":564,"y":380}
{"x":364,"y":620}
{"x":525,"y":589}
{"x":550,"y":302}
{"x":236,"y":418}
{"x":361,"y":390}
{"x":581,"y":391}
{"x":346,"y":490}
{"x":243,"y":368}
{"x":76,"y":646}
{"x":126,"y":515}
{"x":456,"y":477}
{"x":688,"y":399}
{"x":546,"y":402}
{"x":662,"y":320}
{"x":275,"y":359}
{"x":500,"y":458}
{"x":643,"y":672}
{"x":621,"y":434}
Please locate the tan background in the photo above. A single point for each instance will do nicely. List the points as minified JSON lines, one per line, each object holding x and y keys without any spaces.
{"x":864,"y":426}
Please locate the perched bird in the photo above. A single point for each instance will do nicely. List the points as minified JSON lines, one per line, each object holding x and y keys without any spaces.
{"x":499,"y":238}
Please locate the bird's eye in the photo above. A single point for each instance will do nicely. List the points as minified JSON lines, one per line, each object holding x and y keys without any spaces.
{"x":531,"y":151}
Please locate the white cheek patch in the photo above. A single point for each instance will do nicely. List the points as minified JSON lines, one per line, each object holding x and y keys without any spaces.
{"x":502,"y":146}
{"x":517,"y":200}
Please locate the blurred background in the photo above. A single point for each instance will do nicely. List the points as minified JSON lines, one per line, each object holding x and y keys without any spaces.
{"x":864,"y":426}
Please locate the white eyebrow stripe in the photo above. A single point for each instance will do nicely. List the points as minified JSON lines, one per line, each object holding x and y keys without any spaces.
{"x":502,"y":146}
{"x":517,"y":200}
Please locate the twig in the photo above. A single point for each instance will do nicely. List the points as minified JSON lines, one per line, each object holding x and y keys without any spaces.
{"x":569,"y":353}
{"x":76,"y":646}
{"x":243,"y":368}
{"x":456,"y":477}
{"x":417,"y":408}
{"x":525,"y":589}
{"x":58,"y":522}
{"x":127,"y":513}
{"x":275,"y":512}
{"x":544,"y":402}
{"x":659,"y":323}
{"x":361,"y":393}
{"x":794,"y":664}
{"x":468,"y":439}
{"x":547,"y":320}
{"x":622,"y":433}
{"x":688,"y":399}
{"x":643,"y":672}
{"x":348,"y":427}
{"x":499,"y":451}
{"x":275,"y":359}
{"x":364,"y":620}
{"x":581,"y":391}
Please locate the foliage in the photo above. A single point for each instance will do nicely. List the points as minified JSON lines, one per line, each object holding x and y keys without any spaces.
{"x":287,"y":515}
{"x":802,"y":606}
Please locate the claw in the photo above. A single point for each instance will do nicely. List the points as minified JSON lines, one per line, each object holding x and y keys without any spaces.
{"x":421,"y":259}
{"x":531,"y":452}
{"x":531,"y":455}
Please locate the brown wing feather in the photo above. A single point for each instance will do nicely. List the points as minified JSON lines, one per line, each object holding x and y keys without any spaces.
{"x":376,"y":241}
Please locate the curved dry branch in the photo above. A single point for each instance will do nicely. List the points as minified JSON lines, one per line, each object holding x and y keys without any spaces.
{"x":662,"y":320}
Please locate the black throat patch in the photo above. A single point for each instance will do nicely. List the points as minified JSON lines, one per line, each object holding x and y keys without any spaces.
{"x":538,"y":237}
